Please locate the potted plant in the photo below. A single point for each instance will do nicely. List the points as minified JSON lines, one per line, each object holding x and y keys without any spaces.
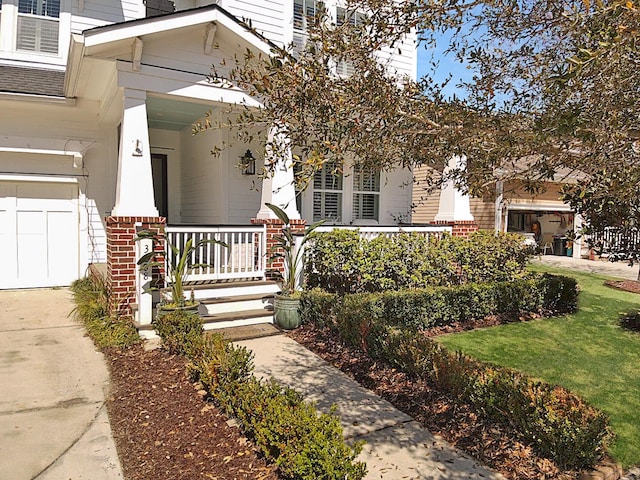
{"x":287,"y":302}
{"x":178,"y":269}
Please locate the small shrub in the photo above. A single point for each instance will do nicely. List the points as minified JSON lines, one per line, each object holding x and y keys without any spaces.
{"x":318,"y":307}
{"x":180,"y":331}
{"x":305,"y":444}
{"x":631,"y":321}
{"x":560,"y":293}
{"x":91,"y":298}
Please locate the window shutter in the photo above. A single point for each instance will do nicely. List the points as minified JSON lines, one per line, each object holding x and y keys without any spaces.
{"x":37,"y":34}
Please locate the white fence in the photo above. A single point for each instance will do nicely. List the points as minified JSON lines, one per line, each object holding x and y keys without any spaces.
{"x":243,"y":257}
{"x":369,"y":233}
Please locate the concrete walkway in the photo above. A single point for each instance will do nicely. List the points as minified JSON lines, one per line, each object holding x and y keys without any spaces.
{"x":600,"y":267}
{"x":397,"y":447}
{"x":53,"y":419}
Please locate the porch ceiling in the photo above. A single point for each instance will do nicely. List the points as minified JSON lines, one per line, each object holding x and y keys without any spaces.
{"x":168,"y":114}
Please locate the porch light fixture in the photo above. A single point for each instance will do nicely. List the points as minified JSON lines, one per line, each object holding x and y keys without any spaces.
{"x":137,"y":151}
{"x":248,"y":163}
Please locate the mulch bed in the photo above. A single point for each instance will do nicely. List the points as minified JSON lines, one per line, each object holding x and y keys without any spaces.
{"x":163,"y":428}
{"x":457,"y":424}
{"x":632,"y":286}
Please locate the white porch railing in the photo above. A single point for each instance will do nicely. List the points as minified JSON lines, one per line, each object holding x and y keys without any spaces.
{"x":371,"y":232}
{"x":244,"y":256}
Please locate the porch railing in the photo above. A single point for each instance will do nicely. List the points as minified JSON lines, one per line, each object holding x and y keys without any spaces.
{"x":371,"y":232}
{"x":243,"y":257}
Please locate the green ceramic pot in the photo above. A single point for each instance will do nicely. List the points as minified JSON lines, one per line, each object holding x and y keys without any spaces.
{"x":285,"y":312}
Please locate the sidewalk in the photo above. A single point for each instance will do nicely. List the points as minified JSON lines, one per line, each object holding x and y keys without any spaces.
{"x":600,"y":267}
{"x":53,"y":419}
{"x":397,"y":447}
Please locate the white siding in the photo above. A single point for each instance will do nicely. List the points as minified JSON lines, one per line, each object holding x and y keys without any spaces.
{"x":104,"y":12}
{"x":271,"y":18}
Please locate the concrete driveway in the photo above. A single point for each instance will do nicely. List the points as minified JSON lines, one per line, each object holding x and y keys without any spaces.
{"x":53,"y":419}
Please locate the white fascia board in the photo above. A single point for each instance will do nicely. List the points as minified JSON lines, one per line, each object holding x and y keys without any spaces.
{"x":74,"y":62}
{"x":37,"y":178}
{"x":158,"y":80}
{"x":559,"y":207}
{"x":173,"y":22}
{"x":25,"y":97}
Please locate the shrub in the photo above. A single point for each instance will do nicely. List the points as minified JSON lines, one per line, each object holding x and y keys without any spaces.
{"x":342,"y":262}
{"x":557,"y":423}
{"x":91,"y":298}
{"x":305,"y":444}
{"x":630,"y":321}
{"x":180,"y":330}
{"x":438,"y":306}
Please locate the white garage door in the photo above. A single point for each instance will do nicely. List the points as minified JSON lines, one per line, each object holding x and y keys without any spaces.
{"x":38,"y":234}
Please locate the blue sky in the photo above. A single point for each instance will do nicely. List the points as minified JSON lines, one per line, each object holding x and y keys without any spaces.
{"x":447,"y":64}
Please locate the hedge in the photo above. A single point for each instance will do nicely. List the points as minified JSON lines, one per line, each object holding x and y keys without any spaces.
{"x":438,"y":306}
{"x":342,"y":262}
{"x":303,"y":443}
{"x":555,"y":422}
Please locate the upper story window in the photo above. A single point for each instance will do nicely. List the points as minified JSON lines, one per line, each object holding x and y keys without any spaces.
{"x":345,"y":67}
{"x":159,"y":7}
{"x":38,"y":26}
{"x":304,"y":11}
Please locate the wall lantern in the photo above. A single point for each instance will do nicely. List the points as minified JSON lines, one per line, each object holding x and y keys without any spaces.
{"x":248,"y":163}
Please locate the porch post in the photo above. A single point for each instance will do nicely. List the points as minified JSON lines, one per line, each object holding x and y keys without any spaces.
{"x":134,"y":210}
{"x":278,"y":188}
{"x":454,"y":208}
{"x":134,"y":187}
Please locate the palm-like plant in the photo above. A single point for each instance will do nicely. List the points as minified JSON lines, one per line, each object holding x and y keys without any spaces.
{"x":178,"y":267}
{"x":290,"y":251}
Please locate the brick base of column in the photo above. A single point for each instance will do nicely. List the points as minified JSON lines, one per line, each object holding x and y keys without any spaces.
{"x":460,"y":228}
{"x":275,"y":269}
{"x":122,"y":271}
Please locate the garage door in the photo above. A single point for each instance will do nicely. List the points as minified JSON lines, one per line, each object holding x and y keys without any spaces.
{"x":38,"y":234}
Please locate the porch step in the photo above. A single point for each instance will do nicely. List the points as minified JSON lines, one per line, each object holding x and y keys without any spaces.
{"x":206,"y":291}
{"x":235,"y":303}
{"x":236,"y":319}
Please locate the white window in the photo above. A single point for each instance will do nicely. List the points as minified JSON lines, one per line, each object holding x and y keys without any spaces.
{"x":304,"y":12}
{"x":344,"y":67}
{"x":366,"y":194}
{"x":38,"y":26}
{"x":327,"y":194}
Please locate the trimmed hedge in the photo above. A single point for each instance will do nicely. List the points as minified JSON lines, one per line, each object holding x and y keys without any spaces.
{"x":304,"y":444}
{"x":438,"y":306}
{"x":342,"y":262}
{"x":557,"y":423}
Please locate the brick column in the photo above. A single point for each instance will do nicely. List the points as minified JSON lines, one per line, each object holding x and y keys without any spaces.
{"x":121,"y":259}
{"x":275,"y":269}
{"x":460,"y":228}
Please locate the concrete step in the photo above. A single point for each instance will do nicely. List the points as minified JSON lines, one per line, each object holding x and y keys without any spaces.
{"x":236,"y":303}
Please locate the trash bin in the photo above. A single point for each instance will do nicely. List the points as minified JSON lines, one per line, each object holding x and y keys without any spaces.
{"x":560,"y":246}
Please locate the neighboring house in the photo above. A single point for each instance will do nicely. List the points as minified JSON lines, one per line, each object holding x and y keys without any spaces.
{"x":98,"y":98}
{"x":512,"y":209}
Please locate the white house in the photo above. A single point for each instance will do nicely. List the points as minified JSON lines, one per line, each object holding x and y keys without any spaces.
{"x":97,"y":101}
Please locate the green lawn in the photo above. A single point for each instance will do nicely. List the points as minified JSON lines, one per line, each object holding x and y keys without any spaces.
{"x":586,"y":352}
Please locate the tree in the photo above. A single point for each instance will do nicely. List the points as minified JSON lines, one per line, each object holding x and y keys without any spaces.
{"x":555,"y":87}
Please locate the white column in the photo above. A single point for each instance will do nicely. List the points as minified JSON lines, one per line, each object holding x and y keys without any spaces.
{"x":278,"y":187}
{"x":144,"y":314}
{"x":134,"y":188}
{"x":454,"y":205}
{"x":580,"y":242}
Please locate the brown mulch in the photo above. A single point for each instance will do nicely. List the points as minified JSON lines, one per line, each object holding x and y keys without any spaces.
{"x":461,"y":427}
{"x":632,"y":286}
{"x":163,"y":428}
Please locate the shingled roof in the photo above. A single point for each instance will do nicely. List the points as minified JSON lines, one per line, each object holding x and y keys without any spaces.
{"x":32,"y":81}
